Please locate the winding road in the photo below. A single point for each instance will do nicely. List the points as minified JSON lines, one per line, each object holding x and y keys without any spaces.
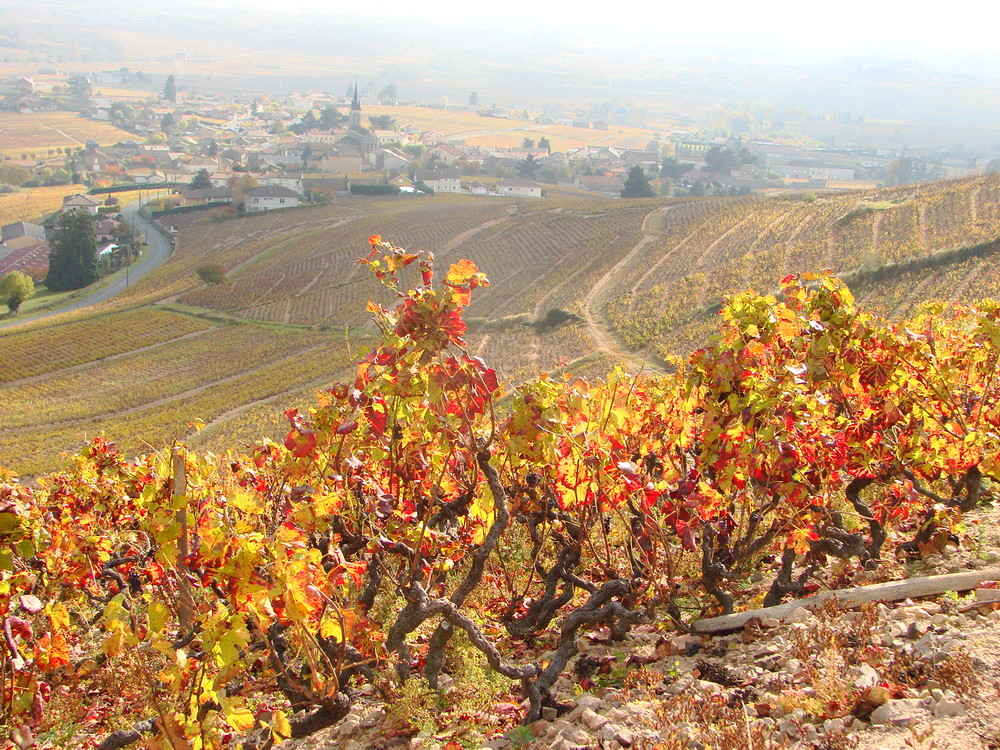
{"x":157,"y":252}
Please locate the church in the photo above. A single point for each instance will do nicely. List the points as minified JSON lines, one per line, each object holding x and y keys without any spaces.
{"x":358,"y":137}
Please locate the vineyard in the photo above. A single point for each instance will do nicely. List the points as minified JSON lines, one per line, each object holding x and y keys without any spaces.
{"x":143,"y":378}
{"x":713,"y":249}
{"x":578,"y":285}
{"x":413,"y":543}
{"x":43,"y":134}
{"x":34,"y":203}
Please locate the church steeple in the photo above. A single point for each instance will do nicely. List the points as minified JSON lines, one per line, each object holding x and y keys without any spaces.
{"x":354,"y":118}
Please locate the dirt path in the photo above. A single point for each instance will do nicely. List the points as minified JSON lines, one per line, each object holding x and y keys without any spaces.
{"x":597,"y":329}
{"x":654,"y":269}
{"x":483,"y":343}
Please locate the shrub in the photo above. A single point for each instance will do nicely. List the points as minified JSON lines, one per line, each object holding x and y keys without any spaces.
{"x":211,"y":273}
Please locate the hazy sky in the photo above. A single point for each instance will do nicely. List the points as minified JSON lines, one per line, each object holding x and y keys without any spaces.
{"x":890,"y":27}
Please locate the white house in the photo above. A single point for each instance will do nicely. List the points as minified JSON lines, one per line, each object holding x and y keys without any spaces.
{"x":86,"y":203}
{"x":518,"y":187}
{"x":269,"y":197}
{"x":441,"y":180}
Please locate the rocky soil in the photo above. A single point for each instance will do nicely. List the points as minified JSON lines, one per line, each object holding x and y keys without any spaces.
{"x":915,"y":675}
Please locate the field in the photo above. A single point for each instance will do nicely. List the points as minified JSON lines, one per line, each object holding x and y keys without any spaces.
{"x":34,"y":203}
{"x":477,"y":130}
{"x":577,"y":284}
{"x":143,"y":377}
{"x":43,"y":133}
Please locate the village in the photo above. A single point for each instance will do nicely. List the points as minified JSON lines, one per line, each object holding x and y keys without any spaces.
{"x":263,"y":154}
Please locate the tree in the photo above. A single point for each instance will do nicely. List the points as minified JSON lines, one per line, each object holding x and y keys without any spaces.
{"x":637,"y":184}
{"x":73,"y":258}
{"x":528,"y":143}
{"x":167,"y":122}
{"x":474,"y":99}
{"x":240,"y":185}
{"x":900,"y":172}
{"x":11,"y":174}
{"x":202,"y":179}
{"x":79,"y":87}
{"x":382,"y":122}
{"x":389,"y":92}
{"x":329,"y":118}
{"x":544,"y":143}
{"x":720,"y":159}
{"x":674,"y":168}
{"x":170,"y":89}
{"x":528,"y":167}
{"x":128,"y":239}
{"x":15,"y":288}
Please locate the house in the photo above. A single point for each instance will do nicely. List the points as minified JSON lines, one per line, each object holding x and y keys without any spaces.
{"x":446,"y":153}
{"x":325,"y":136}
{"x":290,"y":180}
{"x":199,"y":163}
{"x":812,"y":172}
{"x":609,"y":186}
{"x":104,"y":230}
{"x":431,"y":137}
{"x":390,"y":159}
{"x":519,"y":187}
{"x":269,"y":197}
{"x":26,"y":254}
{"x":201,"y":196}
{"x":646,"y":159}
{"x":87,"y":203}
{"x":94,"y":158}
{"x":327,"y":185}
{"x":340,"y":163}
{"x":441,"y":180}
{"x":401,"y":181}
{"x":22,"y":229}
{"x":478,"y":188}
{"x":385,"y":137}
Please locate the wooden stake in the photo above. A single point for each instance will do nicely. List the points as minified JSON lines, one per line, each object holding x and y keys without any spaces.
{"x":855,"y":597}
{"x":185,"y":603}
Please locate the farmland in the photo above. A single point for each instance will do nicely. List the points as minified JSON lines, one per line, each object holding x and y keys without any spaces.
{"x":577,"y":284}
{"x":477,"y":130}
{"x":141,"y":376}
{"x":42,"y":134}
{"x":30,"y":205}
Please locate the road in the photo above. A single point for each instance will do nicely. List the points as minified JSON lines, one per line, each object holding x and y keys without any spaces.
{"x":157,"y":252}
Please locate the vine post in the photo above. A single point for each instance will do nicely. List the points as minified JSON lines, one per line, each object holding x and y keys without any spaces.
{"x":185,"y":605}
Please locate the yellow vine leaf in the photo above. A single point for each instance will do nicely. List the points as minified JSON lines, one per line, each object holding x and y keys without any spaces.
{"x":240,"y":719}
{"x":280,"y":726}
